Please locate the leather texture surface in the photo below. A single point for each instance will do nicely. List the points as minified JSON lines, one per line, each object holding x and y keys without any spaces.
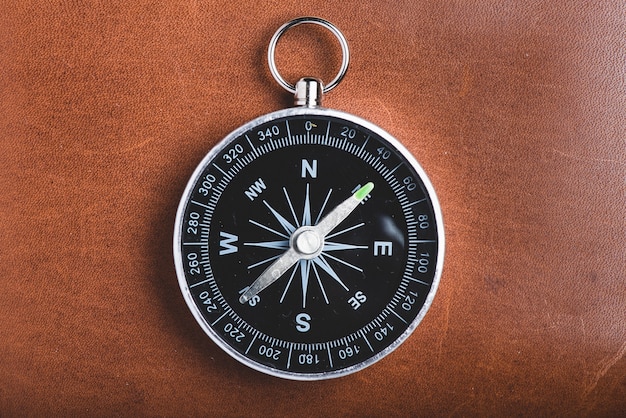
{"x":516,"y":110}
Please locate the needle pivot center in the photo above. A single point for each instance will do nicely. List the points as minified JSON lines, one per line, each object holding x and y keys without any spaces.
{"x":307,"y":242}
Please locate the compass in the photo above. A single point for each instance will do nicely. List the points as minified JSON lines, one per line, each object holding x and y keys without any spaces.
{"x":309,"y":242}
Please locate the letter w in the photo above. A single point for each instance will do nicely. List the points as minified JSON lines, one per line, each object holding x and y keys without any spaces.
{"x":226,"y":246}
{"x":256,"y":189}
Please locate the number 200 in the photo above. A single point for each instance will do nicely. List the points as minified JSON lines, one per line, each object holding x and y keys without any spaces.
{"x":269,"y":352}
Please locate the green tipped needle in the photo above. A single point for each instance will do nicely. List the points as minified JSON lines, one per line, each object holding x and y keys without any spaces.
{"x":316,"y":233}
{"x":364,"y":191}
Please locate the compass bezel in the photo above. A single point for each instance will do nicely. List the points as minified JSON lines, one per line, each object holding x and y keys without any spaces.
{"x":217,"y":150}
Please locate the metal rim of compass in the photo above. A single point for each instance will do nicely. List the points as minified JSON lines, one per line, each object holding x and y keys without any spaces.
{"x":180,"y":270}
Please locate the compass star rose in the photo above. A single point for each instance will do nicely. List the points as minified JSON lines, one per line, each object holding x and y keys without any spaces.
{"x":311,"y":254}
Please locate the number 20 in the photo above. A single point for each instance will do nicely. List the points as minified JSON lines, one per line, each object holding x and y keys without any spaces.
{"x":348,"y":132}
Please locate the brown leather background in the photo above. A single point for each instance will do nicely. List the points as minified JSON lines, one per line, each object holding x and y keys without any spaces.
{"x":515,"y":109}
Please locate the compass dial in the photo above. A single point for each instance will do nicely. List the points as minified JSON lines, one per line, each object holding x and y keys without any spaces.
{"x":308,"y":244}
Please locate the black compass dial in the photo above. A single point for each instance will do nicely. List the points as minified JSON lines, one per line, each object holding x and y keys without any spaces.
{"x":308,"y":244}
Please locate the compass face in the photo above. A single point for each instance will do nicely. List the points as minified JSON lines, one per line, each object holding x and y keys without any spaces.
{"x":342,"y":287}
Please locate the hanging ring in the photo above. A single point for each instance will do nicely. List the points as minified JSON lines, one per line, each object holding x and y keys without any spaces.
{"x":317,"y":21}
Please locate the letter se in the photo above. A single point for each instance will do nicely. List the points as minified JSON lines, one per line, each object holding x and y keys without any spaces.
{"x":357,"y":300}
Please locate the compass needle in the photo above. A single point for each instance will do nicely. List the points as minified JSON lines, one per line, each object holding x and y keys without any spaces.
{"x":343,"y":210}
{"x":289,"y":257}
{"x":306,"y":242}
{"x":271,"y":274}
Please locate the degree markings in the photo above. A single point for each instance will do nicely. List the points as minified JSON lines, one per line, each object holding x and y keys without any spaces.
{"x":406,"y":276}
{"x":219,"y":319}
{"x":368,"y":342}
{"x":416,"y":202}
{"x":200,"y":204}
{"x":288,"y":130}
{"x":252,"y":342}
{"x":399,"y":317}
{"x":330,"y":357}
{"x":363,"y":146}
{"x":250,"y":143}
{"x":339,"y":143}
{"x":222,"y":171}
{"x":289,"y":357}
{"x":395,"y":168}
{"x":200,"y":283}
